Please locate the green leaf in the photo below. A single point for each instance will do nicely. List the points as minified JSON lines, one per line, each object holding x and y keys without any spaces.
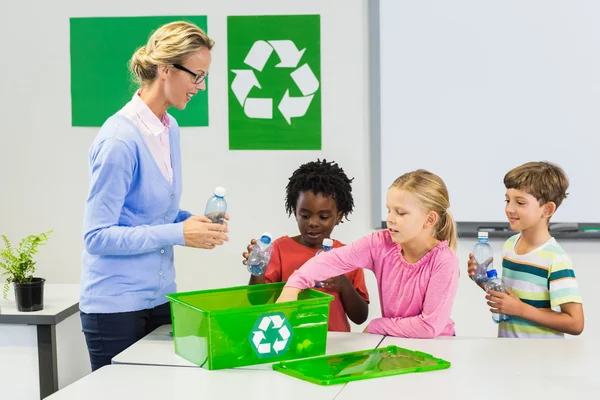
{"x":20,"y":267}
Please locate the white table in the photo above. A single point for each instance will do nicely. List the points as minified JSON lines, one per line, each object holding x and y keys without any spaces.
{"x":117,"y":382}
{"x":42,"y":351}
{"x":157,"y":348}
{"x":474,"y":385}
{"x":493,"y":369}
{"x":564,"y":358}
{"x":481,"y":368}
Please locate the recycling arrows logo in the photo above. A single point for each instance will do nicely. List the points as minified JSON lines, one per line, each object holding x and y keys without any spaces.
{"x":271,"y":335}
{"x":303,"y":77}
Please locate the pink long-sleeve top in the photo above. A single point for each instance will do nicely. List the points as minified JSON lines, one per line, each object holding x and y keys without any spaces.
{"x":416,"y":299}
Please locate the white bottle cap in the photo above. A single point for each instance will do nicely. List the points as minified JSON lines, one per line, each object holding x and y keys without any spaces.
{"x":482,"y":234}
{"x":328,"y":242}
{"x":220,"y":191}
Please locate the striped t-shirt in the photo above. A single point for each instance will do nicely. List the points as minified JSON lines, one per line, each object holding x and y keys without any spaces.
{"x":542,"y":278}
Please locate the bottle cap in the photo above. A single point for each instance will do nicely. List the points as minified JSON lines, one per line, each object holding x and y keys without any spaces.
{"x":266,"y":238}
{"x":492,"y":273}
{"x":220,"y":191}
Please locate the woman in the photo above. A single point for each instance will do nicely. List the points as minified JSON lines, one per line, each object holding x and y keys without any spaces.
{"x":132,"y":217}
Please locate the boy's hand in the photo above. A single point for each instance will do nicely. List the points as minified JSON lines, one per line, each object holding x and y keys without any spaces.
{"x":247,"y":254}
{"x":288,"y":294}
{"x":471,"y":266}
{"x":505,"y":303}
{"x":337,"y":284}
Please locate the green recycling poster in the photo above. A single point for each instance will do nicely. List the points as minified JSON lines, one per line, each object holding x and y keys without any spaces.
{"x":100,"y":80}
{"x":274,"y":71}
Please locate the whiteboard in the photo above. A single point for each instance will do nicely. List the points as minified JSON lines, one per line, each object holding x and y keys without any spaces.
{"x":469,"y":89}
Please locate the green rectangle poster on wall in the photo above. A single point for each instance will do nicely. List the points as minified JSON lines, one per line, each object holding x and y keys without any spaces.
{"x":100,"y":80}
{"x":274,"y":70}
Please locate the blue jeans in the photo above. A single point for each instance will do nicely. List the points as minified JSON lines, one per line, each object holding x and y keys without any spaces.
{"x":107,"y":335}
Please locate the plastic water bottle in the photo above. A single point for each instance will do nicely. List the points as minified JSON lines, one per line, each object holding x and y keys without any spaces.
{"x":326,"y":246}
{"x":259,"y":258}
{"x":497,"y":284}
{"x":484,"y":255}
{"x":216,"y":206}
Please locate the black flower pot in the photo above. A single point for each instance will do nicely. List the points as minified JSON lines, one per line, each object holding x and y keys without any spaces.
{"x":30,"y":295}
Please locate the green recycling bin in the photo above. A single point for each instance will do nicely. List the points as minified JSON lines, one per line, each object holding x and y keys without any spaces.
{"x":238,"y":326}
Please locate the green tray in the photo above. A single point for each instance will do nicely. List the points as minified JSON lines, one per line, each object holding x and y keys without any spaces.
{"x":358,"y":365}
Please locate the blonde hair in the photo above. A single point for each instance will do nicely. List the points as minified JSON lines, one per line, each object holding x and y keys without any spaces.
{"x":545,"y":181}
{"x":170,"y":44}
{"x":432,"y":193}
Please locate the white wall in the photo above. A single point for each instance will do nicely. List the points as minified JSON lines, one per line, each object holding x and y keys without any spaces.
{"x":45,"y":182}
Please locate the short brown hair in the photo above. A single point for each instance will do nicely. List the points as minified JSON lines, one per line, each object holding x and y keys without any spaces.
{"x":543,"y":180}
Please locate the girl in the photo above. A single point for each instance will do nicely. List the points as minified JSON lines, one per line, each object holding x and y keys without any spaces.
{"x":413,"y":261}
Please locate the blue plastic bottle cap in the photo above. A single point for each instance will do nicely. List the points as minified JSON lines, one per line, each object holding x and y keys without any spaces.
{"x":266,"y":238}
{"x":327,"y":243}
{"x":492,"y":273}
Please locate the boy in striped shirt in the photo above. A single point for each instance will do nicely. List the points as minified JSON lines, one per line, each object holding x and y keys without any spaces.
{"x":542,"y":295}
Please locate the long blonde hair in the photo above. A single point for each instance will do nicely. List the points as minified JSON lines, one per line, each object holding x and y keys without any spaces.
{"x":170,"y":44}
{"x":432,"y":193}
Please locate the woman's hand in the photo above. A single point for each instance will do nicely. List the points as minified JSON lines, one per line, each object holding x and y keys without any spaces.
{"x":200,"y":232}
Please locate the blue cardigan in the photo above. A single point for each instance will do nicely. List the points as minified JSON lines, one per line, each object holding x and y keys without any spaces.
{"x":132,"y":221}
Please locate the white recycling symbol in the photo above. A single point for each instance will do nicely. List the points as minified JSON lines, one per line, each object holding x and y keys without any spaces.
{"x":258,"y":336}
{"x":245,"y":80}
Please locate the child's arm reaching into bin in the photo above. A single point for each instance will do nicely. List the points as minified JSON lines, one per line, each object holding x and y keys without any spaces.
{"x":332,"y":263}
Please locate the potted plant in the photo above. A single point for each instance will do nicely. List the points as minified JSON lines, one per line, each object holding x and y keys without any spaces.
{"x":19,"y":267}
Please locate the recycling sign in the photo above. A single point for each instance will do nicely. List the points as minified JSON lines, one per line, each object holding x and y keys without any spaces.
{"x":274,"y":82}
{"x":271,"y":335}
{"x":303,"y":77}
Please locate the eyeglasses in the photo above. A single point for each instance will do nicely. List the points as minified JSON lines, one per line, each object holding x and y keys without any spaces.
{"x":198,"y":78}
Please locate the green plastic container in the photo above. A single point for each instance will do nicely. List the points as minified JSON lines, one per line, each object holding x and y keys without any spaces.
{"x":365,"y":364}
{"x":234,"y":327}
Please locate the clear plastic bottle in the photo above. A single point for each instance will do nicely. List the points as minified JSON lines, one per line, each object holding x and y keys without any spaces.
{"x":216,"y":206}
{"x":325,"y":246}
{"x":259,"y":258}
{"x":484,"y":256}
{"x":497,"y":284}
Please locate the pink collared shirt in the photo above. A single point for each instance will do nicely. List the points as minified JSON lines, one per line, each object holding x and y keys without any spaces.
{"x":155,"y":132}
